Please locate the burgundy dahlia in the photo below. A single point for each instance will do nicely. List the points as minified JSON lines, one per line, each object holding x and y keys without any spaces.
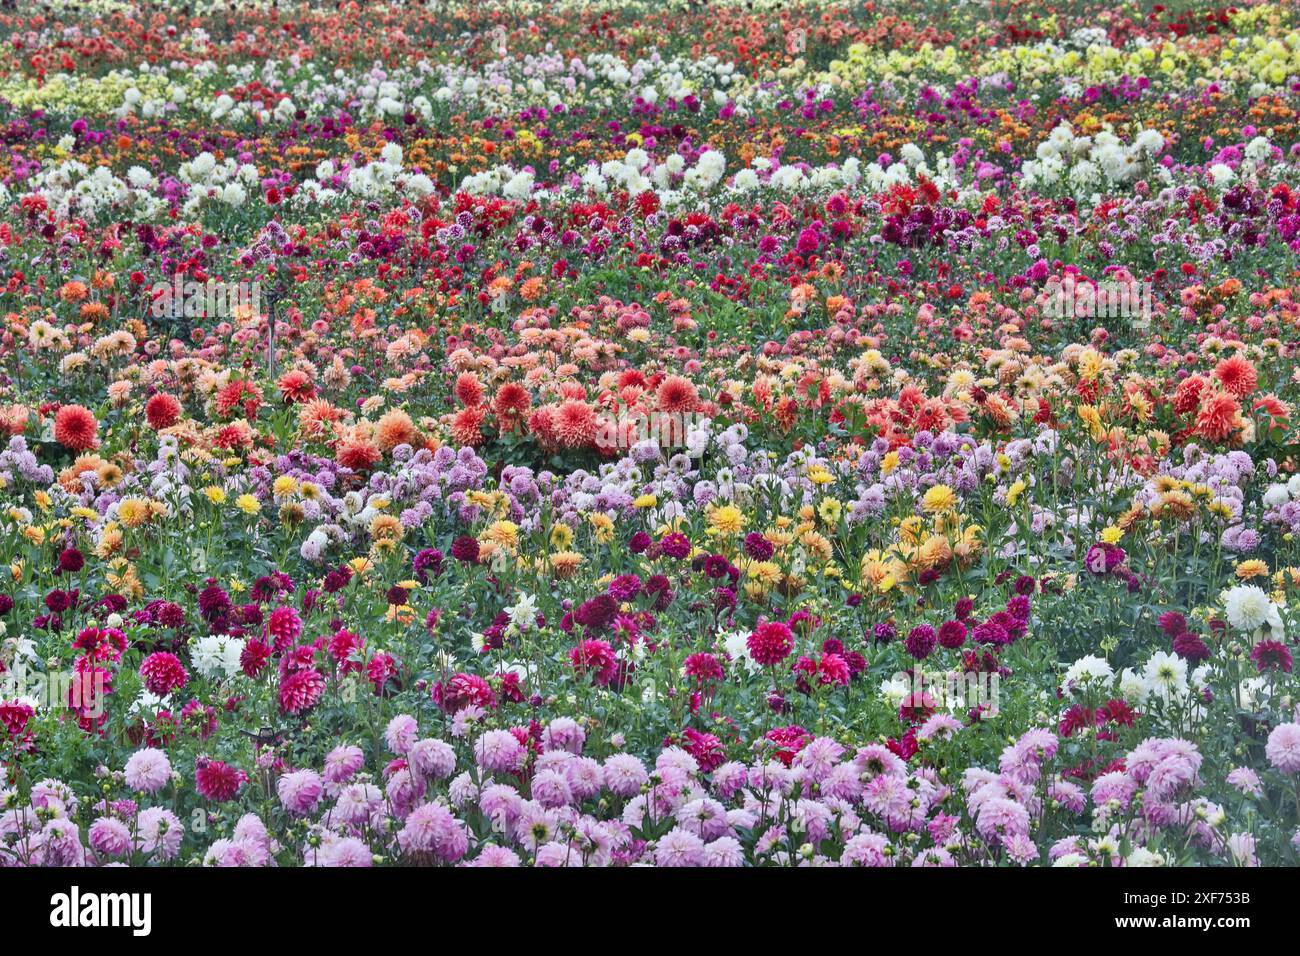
{"x":952,"y":634}
{"x":1272,"y":656}
{"x":1190,"y":647}
{"x":921,"y":641}
{"x":758,"y":547}
{"x":465,"y":549}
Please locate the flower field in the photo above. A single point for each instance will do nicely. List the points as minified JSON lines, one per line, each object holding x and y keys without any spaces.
{"x":650,"y":434}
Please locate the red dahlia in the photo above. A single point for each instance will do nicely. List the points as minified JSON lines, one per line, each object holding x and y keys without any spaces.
{"x":75,"y":428}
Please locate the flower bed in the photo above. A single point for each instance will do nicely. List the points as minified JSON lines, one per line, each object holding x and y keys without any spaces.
{"x":638,"y":434}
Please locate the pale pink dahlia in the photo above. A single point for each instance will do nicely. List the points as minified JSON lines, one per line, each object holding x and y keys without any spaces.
{"x":148,"y":770}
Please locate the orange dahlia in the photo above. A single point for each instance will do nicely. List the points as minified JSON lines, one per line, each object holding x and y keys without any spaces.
{"x":314,"y":415}
{"x":466,"y":426}
{"x":356,"y":450}
{"x":575,"y":424}
{"x":677,"y":395}
{"x":468,"y":389}
{"x":73,"y":291}
{"x":396,"y":428}
{"x":1237,"y":375}
{"x":1219,"y":416}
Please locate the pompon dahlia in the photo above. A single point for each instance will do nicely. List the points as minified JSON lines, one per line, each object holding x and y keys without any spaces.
{"x":162,"y":411}
{"x":575,"y":424}
{"x":920,"y":641}
{"x":677,"y":395}
{"x":75,"y":428}
{"x":952,"y":634}
{"x":217,"y":780}
{"x":163,"y":673}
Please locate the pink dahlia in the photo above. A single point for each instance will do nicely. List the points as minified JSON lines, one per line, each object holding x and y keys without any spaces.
{"x":159,"y":831}
{"x":109,"y":836}
{"x":284,"y":626}
{"x":499,"y":751}
{"x":301,"y":691}
{"x":1283,"y":748}
{"x":300,"y":791}
{"x":217,"y":780}
{"x":595,"y":658}
{"x":148,"y":770}
{"x":163,"y":673}
{"x":771,"y":643}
